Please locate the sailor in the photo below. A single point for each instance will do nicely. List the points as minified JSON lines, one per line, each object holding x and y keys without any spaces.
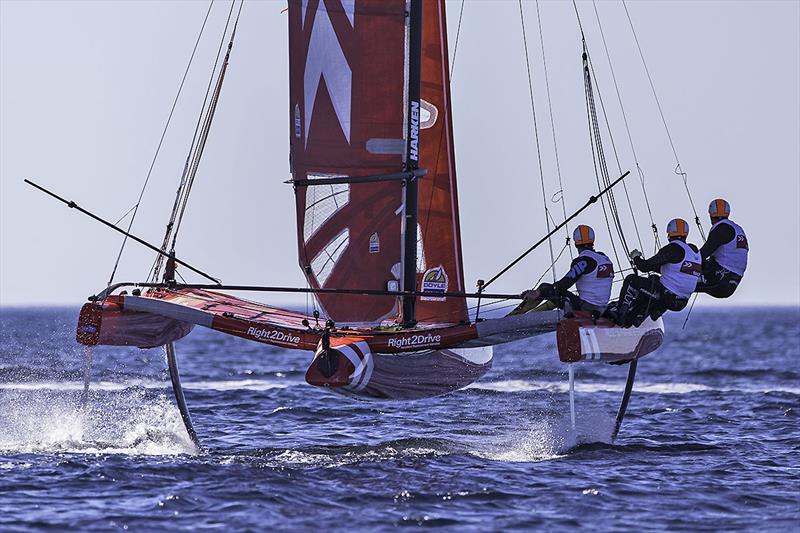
{"x":724,"y":253}
{"x":678,"y":264}
{"x":591,"y":272}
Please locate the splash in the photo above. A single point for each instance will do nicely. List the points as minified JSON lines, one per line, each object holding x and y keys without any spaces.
{"x":553,"y":437}
{"x":131,"y":421}
{"x":519,"y":385}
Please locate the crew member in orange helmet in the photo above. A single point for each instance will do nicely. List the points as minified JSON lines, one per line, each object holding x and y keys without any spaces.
{"x":678,"y":265}
{"x":724,"y":253}
{"x":592,"y":274}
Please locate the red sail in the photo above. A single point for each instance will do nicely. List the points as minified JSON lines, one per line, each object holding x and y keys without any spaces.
{"x":348,"y":105}
{"x":438,"y":198}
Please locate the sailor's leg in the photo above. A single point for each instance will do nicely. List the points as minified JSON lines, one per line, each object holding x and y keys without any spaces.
{"x":724,"y":287}
{"x":627,"y":297}
{"x":570,"y":302}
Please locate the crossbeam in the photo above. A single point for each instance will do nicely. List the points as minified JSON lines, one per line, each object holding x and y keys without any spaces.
{"x":397,"y":176}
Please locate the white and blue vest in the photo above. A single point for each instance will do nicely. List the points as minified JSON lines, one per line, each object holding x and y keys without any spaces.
{"x":681,"y":278}
{"x":595,"y":287}
{"x":732,"y":255}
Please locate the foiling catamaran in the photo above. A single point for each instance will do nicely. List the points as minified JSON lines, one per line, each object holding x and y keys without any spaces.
{"x":374,"y":175}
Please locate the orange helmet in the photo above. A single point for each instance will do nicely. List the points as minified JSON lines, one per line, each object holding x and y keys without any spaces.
{"x":677,"y":227}
{"x":583,"y":234}
{"x":719,"y":208}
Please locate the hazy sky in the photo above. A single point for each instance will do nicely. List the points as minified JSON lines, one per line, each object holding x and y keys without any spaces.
{"x":86,"y":88}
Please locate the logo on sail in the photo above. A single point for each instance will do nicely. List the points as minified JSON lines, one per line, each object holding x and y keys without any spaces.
{"x":434,"y":280}
{"x":413,"y":152}
{"x":374,"y":243}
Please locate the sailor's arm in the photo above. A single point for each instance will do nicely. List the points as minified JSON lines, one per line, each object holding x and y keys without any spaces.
{"x":580,"y":265}
{"x":671,"y":253}
{"x":719,"y":235}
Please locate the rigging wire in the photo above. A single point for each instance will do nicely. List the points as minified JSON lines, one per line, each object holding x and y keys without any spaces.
{"x":598,"y":158}
{"x":607,"y":124}
{"x":678,"y":169}
{"x":197,"y":145}
{"x":124,"y":216}
{"x":628,"y":130}
{"x":458,"y":34}
{"x":207,"y":123}
{"x":612,"y":198}
{"x":560,"y":193}
{"x":596,"y":142}
{"x":536,"y":136}
{"x":158,"y":147}
{"x":489,"y":304}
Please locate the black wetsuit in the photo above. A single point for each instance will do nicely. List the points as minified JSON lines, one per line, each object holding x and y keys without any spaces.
{"x":716,"y":280}
{"x":646,"y":296}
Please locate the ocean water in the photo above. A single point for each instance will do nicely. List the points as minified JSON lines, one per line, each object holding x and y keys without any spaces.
{"x":711,"y":441}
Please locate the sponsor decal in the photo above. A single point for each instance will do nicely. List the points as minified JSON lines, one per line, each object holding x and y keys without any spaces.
{"x":434,"y":280}
{"x":418,"y":340}
{"x":427,"y":115}
{"x":297,"y":123}
{"x":741,"y":242}
{"x":689,"y":267}
{"x":273,"y":335}
{"x":413,"y":151}
{"x":605,"y":271}
{"x":374,"y":243}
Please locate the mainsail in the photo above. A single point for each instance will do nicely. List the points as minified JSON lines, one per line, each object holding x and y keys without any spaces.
{"x":349,"y":70}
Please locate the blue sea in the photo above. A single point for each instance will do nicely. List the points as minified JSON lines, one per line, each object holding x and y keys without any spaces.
{"x":711,"y":441}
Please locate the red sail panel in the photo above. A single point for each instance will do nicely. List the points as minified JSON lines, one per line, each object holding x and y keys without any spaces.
{"x":438,"y":198}
{"x":347,"y":90}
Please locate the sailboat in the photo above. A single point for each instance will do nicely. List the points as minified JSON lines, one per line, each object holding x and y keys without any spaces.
{"x":373,"y":169}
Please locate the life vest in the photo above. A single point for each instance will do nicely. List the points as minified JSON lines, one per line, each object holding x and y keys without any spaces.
{"x":732,"y":255}
{"x":681,"y":278}
{"x":595,"y":287}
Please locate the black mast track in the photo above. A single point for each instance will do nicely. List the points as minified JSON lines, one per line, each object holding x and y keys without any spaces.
{"x":412,"y":163}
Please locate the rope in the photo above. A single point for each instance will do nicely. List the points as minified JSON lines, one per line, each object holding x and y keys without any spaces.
{"x":678,"y":169}
{"x":536,"y":136}
{"x":158,"y":148}
{"x":560,"y":192}
{"x":689,"y":313}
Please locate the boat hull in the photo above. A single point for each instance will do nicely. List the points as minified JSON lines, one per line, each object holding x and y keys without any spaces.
{"x":353,"y":370}
{"x":583,"y":339}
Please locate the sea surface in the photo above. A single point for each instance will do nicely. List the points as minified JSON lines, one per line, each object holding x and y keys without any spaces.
{"x":711,"y":441}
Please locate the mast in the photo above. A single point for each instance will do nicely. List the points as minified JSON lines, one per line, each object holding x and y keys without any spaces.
{"x":411,"y":192}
